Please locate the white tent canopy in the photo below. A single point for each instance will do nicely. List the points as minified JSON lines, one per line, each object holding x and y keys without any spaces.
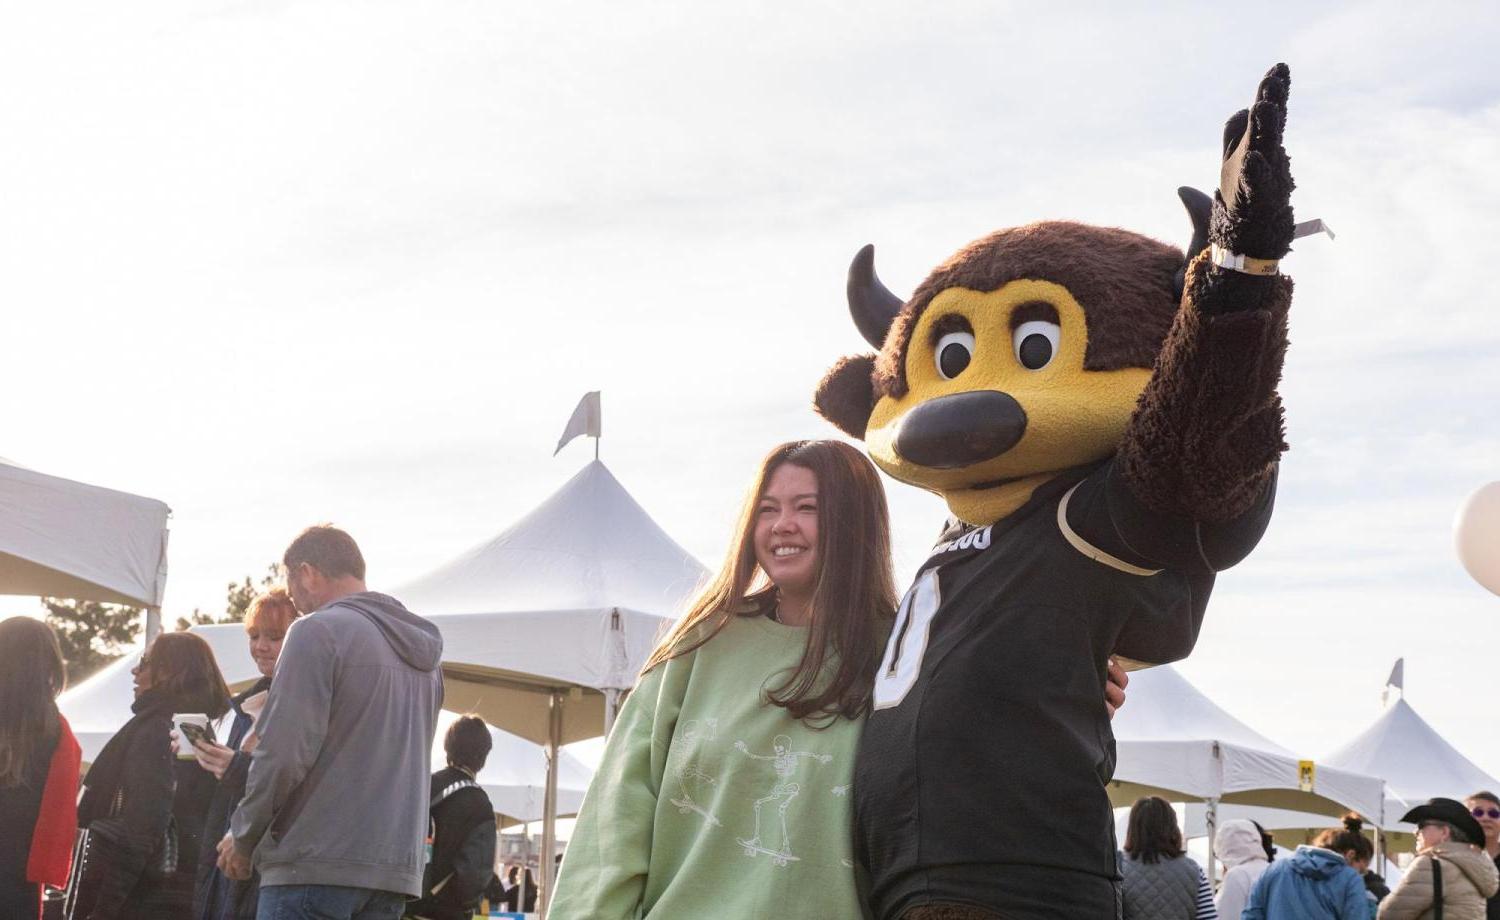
{"x":570,"y":599}
{"x":1176,"y":742}
{"x":1416,"y":761}
{"x":588,"y":546}
{"x":60,"y":538}
{"x":1195,"y":819}
{"x":546,"y":625}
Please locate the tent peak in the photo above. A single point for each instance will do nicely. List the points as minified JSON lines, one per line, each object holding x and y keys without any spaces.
{"x":1415,"y":760}
{"x":589,"y":545}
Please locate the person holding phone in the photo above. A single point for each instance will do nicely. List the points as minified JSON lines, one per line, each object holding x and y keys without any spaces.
{"x":146,"y":803}
{"x":217,"y":896}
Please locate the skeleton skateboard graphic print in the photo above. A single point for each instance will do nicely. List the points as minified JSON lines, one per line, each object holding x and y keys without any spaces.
{"x":785,"y":763}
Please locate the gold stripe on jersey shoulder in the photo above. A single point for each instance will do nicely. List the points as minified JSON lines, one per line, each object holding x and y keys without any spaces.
{"x":1087,"y":548}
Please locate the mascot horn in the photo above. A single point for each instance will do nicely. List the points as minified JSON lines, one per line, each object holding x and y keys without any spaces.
{"x":1100,"y":414}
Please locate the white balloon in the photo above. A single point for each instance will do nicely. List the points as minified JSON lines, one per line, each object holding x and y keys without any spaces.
{"x":1476,"y":533}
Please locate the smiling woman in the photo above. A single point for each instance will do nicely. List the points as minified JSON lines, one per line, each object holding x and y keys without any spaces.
{"x":724,"y":788}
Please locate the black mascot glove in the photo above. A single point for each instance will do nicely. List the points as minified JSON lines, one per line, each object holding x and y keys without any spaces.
{"x":1252,"y":213}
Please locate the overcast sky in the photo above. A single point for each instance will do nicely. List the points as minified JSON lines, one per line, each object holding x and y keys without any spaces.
{"x":277,"y":263}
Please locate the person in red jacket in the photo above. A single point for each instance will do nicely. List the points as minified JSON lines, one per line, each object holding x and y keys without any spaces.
{"x":39,"y":760}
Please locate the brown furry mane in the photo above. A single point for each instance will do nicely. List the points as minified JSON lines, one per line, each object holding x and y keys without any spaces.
{"x":846,"y":394}
{"x":1123,"y":281}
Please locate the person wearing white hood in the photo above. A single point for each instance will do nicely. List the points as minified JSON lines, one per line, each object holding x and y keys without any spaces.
{"x":1238,"y":846}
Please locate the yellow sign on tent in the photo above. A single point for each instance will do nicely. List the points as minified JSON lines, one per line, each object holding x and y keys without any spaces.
{"x":1306,"y":773}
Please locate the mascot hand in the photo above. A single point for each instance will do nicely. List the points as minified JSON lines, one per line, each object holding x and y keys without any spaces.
{"x":1252,"y":213}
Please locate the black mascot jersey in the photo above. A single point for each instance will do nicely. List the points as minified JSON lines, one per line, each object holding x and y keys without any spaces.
{"x":982,"y":772}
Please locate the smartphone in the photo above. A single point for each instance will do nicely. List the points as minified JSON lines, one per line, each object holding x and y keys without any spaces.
{"x":195,"y":733}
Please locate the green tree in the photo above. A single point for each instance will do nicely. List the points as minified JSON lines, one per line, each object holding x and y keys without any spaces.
{"x":91,"y":634}
{"x":238,"y":596}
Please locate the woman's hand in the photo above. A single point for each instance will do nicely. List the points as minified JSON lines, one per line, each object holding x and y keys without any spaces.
{"x":1114,"y":688}
{"x":212,"y":757}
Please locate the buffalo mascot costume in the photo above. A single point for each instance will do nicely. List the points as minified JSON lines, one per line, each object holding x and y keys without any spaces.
{"x":1100,"y":414}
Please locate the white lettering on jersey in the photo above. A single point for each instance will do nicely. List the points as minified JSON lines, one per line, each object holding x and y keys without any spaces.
{"x":908,"y":642}
{"x":974,"y":539}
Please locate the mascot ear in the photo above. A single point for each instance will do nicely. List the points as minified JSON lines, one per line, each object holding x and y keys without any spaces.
{"x":846,"y":395}
{"x":1199,"y":207}
{"x":871,"y":303}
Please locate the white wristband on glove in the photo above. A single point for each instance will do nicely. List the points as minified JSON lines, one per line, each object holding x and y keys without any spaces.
{"x":1223,"y":258}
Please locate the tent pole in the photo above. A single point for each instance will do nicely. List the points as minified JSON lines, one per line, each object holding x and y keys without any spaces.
{"x":549,"y":803}
{"x":525,"y":864}
{"x":153,"y":623}
{"x":617,"y":648}
{"x":1211,"y":819}
{"x":611,"y":709}
{"x":1380,"y":836}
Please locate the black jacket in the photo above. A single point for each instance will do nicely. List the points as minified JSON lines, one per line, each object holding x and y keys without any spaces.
{"x":1492,"y":906}
{"x":156,"y":791}
{"x":19,"y":806}
{"x":996,"y":669}
{"x":216,"y":896}
{"x":513,"y":902}
{"x":463,"y":849}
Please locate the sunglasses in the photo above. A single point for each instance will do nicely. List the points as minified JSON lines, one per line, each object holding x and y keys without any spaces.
{"x":1485,"y":812}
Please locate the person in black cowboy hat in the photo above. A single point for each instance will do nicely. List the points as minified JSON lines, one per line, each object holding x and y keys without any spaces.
{"x":1450,"y":869}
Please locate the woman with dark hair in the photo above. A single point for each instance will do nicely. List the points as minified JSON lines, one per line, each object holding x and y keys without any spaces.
{"x":1357,"y":850}
{"x":1161,"y":882}
{"x":724,"y":790}
{"x":724,"y":787}
{"x":39,"y":761}
{"x":218,"y":897}
{"x":143,"y":805}
{"x":516,"y":883}
{"x":1319,"y":882}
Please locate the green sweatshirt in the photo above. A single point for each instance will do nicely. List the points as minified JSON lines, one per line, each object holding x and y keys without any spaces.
{"x":711,"y":802}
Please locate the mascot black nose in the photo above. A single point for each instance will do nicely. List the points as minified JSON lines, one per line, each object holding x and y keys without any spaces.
{"x":962,"y":429}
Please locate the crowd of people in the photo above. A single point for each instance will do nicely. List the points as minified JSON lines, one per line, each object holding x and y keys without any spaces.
{"x":319,"y":802}
{"x":724,"y":788}
{"x":1454,"y":876}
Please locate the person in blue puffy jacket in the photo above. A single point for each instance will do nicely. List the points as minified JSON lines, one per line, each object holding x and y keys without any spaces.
{"x":1315,"y":884}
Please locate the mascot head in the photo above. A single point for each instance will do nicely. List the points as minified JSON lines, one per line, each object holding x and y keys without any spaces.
{"x":1020,"y":357}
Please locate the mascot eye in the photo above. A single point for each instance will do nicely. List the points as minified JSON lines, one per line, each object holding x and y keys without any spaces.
{"x":1035,"y":343}
{"x":953,"y":353}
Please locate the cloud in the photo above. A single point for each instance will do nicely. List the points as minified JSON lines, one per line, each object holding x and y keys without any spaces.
{"x":287,"y":262}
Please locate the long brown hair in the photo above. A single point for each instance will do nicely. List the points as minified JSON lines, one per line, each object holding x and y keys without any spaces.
{"x":854,"y":598}
{"x":32,"y":674}
{"x":1152,"y":833}
{"x":183,"y":669}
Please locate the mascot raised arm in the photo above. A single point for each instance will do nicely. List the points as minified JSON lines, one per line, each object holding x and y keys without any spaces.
{"x":1100,"y":413}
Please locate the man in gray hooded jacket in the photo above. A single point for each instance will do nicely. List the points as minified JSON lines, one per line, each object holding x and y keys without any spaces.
{"x":336,"y":804}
